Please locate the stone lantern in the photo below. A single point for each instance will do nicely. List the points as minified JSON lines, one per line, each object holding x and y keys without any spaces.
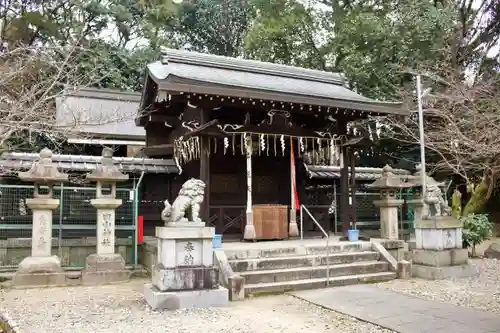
{"x":388,"y":184}
{"x":41,"y":268}
{"x":105,"y":265}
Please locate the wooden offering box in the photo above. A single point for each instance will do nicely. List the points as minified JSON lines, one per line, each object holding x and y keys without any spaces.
{"x":270,"y":221}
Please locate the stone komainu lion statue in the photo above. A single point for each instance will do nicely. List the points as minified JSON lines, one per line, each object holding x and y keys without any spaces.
{"x":187,"y":203}
{"x":434,"y":203}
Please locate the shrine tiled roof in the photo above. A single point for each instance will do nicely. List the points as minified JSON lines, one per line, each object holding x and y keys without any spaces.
{"x":191,"y":72}
{"x":362,"y":173}
{"x":110,"y":112}
{"x":13,"y":162}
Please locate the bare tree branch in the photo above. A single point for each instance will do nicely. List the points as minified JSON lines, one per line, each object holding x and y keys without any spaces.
{"x":462,"y":126}
{"x":31,"y":79}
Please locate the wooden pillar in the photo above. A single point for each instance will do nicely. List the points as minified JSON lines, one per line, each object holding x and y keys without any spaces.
{"x":249,"y":233}
{"x":205,"y":167}
{"x":353,"y":185}
{"x":344,"y":178}
{"x":344,"y":189}
{"x":293,"y":230}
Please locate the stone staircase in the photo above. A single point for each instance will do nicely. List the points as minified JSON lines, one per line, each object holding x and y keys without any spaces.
{"x":283,"y":269}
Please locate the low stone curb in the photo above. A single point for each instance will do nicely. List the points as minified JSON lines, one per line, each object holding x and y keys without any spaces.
{"x":235,"y":283}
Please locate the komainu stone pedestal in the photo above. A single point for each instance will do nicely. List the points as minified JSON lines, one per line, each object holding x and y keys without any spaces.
{"x":105,"y":266}
{"x":187,"y":299}
{"x":185,"y":276}
{"x":41,"y":268}
{"x":439,"y":253}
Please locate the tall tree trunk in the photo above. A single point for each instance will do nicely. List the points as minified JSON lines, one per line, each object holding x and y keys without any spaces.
{"x":480,"y":195}
{"x":456,"y":204}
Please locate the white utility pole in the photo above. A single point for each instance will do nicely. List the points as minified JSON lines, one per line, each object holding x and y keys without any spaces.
{"x":421,"y":131}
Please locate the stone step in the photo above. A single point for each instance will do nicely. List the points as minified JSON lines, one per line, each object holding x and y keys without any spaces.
{"x":295,"y":250}
{"x":317,"y":272}
{"x":281,"y":287}
{"x":244,"y":265}
{"x":74,"y":272}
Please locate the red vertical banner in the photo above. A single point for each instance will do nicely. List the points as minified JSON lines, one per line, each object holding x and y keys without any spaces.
{"x":140,"y":229}
{"x":293,"y":177}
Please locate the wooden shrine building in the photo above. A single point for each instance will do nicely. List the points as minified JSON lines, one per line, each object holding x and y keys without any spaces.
{"x":243,"y":128}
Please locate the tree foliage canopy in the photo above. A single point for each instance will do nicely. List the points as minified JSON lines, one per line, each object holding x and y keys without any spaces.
{"x":375,"y":43}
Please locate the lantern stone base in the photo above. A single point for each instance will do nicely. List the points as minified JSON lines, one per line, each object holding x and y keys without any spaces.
{"x":39,"y":272}
{"x":105,"y":269}
{"x":192,"y":299}
{"x":389,"y":217}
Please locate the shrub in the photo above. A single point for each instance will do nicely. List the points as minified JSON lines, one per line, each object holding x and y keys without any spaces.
{"x":477,"y":228}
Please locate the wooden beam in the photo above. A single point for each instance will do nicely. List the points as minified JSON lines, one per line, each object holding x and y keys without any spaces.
{"x":161,"y":112}
{"x":159,"y":150}
{"x":357,"y":142}
{"x":207,"y":129}
{"x":196,"y":90}
{"x":162,"y":118}
{"x":246,"y":104}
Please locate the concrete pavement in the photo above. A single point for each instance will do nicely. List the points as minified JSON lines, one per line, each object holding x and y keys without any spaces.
{"x":399,"y":312}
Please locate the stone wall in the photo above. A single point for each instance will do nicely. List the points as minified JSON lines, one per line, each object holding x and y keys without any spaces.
{"x":72,"y":252}
{"x":148,"y":253}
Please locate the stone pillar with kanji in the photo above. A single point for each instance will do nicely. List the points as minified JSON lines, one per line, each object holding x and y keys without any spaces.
{"x":105,"y":266}
{"x":388,"y":184}
{"x":41,"y":268}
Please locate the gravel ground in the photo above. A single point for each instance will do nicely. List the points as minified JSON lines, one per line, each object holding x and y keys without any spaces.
{"x":121,"y":308}
{"x":481,"y":292}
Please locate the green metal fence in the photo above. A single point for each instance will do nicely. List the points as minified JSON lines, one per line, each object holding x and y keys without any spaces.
{"x":74,"y":219}
{"x":368,"y":215}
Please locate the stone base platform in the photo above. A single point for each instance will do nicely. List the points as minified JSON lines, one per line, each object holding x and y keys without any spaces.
{"x":190,"y":299}
{"x":39,"y":272}
{"x":105,"y":269}
{"x":105,"y":277}
{"x":451,"y":257}
{"x":444,"y":272}
{"x":38,"y":280}
{"x":442,"y":264}
{"x":184,"y":278}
